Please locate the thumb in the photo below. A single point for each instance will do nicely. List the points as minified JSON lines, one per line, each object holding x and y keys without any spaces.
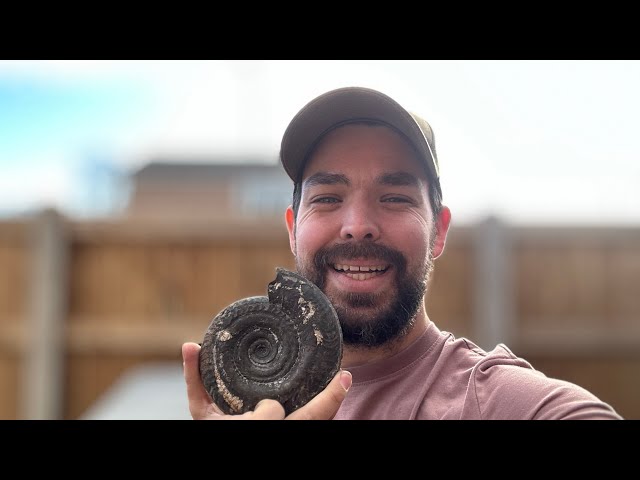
{"x":325,"y":405}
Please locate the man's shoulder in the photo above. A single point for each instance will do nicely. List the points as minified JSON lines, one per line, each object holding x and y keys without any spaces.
{"x":508,"y":387}
{"x":465,"y":352}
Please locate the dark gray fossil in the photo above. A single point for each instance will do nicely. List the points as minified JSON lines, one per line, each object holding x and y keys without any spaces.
{"x":286,"y":346}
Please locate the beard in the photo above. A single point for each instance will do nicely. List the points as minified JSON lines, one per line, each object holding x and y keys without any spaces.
{"x":383,"y":322}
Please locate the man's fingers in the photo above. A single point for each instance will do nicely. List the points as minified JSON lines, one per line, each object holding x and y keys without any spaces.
{"x":265,"y":410}
{"x":200,"y":404}
{"x":269,"y":410}
{"x":325,"y":405}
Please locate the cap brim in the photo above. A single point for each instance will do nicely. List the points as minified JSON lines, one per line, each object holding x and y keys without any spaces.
{"x":347,"y":105}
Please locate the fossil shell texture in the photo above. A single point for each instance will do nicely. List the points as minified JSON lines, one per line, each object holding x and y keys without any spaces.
{"x":286,"y":347}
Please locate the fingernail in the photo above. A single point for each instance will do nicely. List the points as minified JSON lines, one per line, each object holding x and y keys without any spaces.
{"x":345,"y":380}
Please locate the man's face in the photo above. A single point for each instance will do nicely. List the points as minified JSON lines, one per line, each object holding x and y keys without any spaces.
{"x":365,"y":233}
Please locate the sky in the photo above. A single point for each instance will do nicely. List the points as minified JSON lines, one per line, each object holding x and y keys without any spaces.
{"x":528,"y":141}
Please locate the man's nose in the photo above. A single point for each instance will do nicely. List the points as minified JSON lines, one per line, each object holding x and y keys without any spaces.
{"x":359,"y":223}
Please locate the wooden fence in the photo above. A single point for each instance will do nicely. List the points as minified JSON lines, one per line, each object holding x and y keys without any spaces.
{"x":82,"y":302}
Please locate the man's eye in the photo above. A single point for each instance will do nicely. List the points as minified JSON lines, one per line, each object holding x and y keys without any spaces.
{"x":325,"y":200}
{"x":395,"y":199}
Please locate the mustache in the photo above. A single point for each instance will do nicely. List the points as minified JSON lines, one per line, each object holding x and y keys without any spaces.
{"x":363,"y":250}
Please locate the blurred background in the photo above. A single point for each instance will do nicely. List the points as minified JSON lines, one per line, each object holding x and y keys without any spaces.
{"x":139,"y":198}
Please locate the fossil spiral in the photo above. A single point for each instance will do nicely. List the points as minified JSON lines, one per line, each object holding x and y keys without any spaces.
{"x":286,"y":347}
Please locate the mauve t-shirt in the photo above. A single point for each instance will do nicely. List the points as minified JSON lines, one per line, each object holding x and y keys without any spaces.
{"x":441,"y":377}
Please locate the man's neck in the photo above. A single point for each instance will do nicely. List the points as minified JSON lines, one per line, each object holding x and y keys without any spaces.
{"x":356,"y":356}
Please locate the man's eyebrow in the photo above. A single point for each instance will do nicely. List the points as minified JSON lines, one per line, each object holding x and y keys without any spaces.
{"x":325,"y":178}
{"x":398,"y":179}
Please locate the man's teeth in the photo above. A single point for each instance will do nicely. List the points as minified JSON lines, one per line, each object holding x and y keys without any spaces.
{"x":352,"y":268}
{"x":360,"y":273}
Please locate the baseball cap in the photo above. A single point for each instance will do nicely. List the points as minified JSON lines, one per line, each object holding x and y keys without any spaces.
{"x":348,"y":105}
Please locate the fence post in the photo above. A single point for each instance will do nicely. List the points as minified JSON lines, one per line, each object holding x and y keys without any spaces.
{"x":494,"y":289}
{"x":43,"y":356}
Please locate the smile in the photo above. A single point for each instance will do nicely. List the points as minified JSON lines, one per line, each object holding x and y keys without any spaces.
{"x":360,"y":272}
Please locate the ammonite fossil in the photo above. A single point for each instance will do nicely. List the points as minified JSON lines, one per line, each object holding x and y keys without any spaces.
{"x":286,"y":346}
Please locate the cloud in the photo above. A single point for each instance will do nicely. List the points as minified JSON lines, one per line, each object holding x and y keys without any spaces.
{"x":24,"y":188}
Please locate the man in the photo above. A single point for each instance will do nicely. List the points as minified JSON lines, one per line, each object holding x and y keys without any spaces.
{"x":366,"y":224}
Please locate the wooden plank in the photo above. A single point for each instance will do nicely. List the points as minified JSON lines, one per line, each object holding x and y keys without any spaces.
{"x":449,"y":293}
{"x":622,"y":288}
{"x":13,"y":337}
{"x":585,"y":235}
{"x":14,"y":232}
{"x":14,"y":265}
{"x":186,"y":232}
{"x":138,"y":336}
{"x":9,"y":383}
{"x":556,"y":337}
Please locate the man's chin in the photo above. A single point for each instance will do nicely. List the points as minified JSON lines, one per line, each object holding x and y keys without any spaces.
{"x":365,"y":301}
{"x":360,"y":306}
{"x":357,"y":316}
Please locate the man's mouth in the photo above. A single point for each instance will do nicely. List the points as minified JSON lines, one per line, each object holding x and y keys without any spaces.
{"x":360,"y":272}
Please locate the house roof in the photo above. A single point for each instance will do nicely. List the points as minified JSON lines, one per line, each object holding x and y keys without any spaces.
{"x":177,"y":171}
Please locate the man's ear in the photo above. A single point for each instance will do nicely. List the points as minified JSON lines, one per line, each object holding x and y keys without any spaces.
{"x":442,"y":227}
{"x":290,"y":218}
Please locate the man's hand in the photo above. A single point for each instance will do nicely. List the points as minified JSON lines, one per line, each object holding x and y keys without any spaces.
{"x":323,"y":406}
